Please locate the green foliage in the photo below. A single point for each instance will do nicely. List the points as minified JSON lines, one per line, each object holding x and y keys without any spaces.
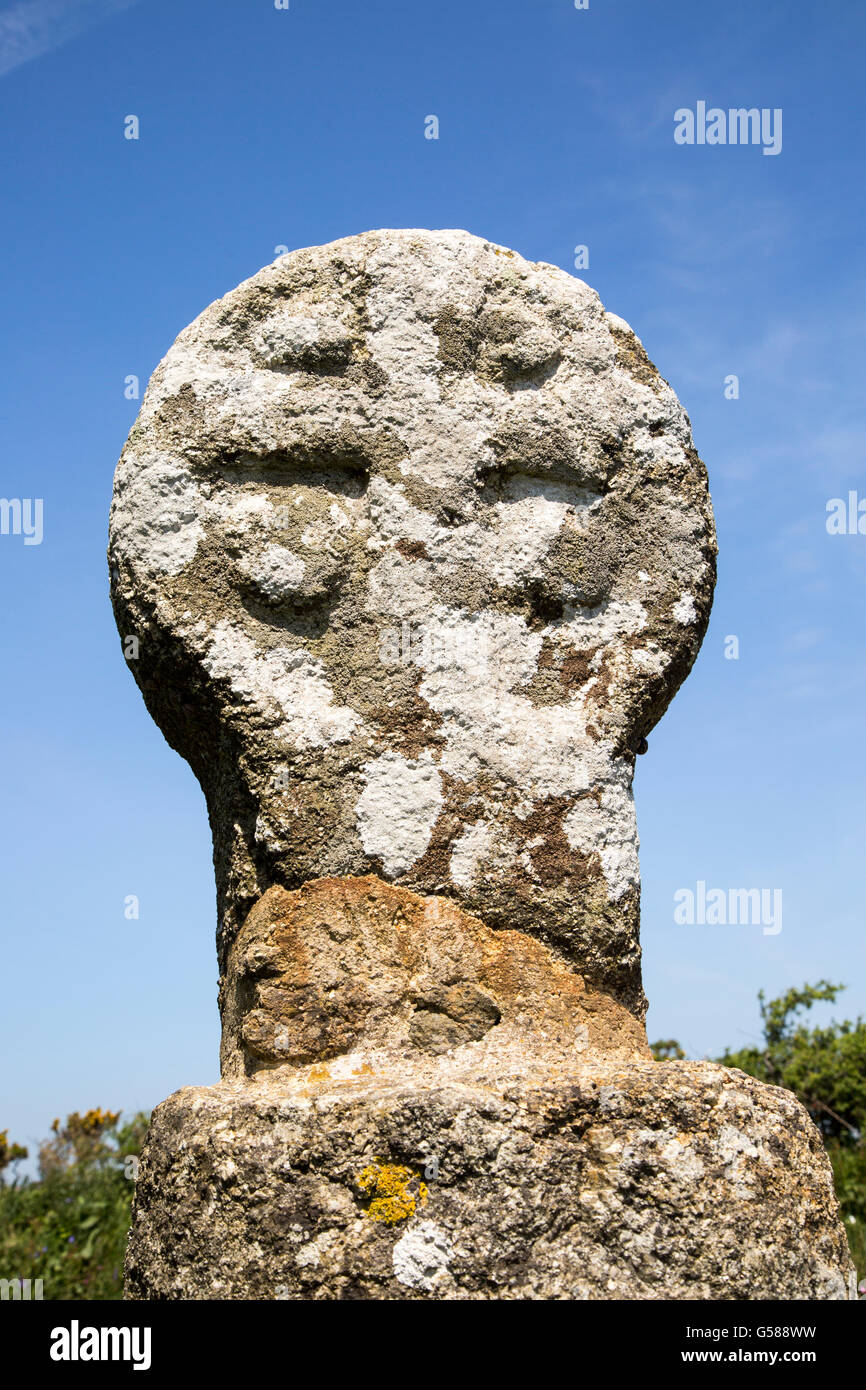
{"x":849,"y":1176}
{"x":69,"y":1229}
{"x":824,"y":1067}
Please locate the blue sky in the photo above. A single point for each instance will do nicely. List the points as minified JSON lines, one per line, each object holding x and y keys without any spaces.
{"x":261,"y":128}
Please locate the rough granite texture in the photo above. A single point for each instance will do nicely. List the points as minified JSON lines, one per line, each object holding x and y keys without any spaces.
{"x":417,"y":549}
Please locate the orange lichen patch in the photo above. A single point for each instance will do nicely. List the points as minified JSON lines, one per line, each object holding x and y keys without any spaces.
{"x":388,"y":1189}
{"x":347,"y":965}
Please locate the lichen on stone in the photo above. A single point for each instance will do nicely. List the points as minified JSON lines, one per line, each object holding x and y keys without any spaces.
{"x":388,"y":1191}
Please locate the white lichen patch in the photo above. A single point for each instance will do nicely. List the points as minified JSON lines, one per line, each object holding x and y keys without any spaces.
{"x":421,"y":1256}
{"x":156,"y":512}
{"x":527,"y":526}
{"x":489,"y":725}
{"x":240,"y":516}
{"x":310,"y":1255}
{"x":274,"y":572}
{"x":481,"y":848}
{"x":294,"y":681}
{"x":398,"y":808}
{"x":605,"y":623}
{"x":734,"y":1145}
{"x":615,"y":322}
{"x":740,"y":1154}
{"x":685,"y":1164}
{"x":328,"y":529}
{"x":394,"y":517}
{"x":651,"y":660}
{"x":606,"y":825}
{"x":684,"y":610}
{"x":287,"y":340}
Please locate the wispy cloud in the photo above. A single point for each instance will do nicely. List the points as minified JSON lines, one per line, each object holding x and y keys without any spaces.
{"x":32,"y":28}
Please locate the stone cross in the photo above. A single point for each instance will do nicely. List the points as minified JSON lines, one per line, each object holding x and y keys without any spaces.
{"x":417,"y":548}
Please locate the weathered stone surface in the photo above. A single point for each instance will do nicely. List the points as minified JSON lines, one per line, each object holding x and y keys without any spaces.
{"x":418,"y":548}
{"x":642,"y":1180}
{"x":377,"y":976}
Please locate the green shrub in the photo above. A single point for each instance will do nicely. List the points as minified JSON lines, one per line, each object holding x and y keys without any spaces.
{"x":849,"y":1176}
{"x":69,"y":1228}
{"x":826,"y":1070}
{"x":824,"y":1067}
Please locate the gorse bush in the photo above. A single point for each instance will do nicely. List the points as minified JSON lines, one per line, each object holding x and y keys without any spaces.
{"x":69,"y":1228}
{"x":9,"y":1153}
{"x":84,"y":1141}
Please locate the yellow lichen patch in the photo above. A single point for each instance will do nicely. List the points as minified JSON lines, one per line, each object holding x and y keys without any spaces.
{"x":388,"y":1187}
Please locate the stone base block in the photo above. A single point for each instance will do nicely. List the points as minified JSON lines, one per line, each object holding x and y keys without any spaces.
{"x":643,"y":1180}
